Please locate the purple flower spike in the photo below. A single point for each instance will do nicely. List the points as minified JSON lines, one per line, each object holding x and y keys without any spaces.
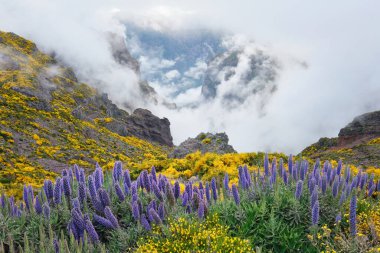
{"x":213,"y":188}
{"x":235,"y":193}
{"x":111,"y":217}
{"x":135,"y":211}
{"x":353,"y":215}
{"x":338,"y":218}
{"x":102,"y":222}
{"x":57,"y":191}
{"x":324,"y":183}
{"x":208,"y":197}
{"x":225,"y":182}
{"x":290,"y":164}
{"x":161,"y":211}
{"x":156,"y":217}
{"x":77,"y":219}
{"x":103,"y":197}
{"x":298,"y":192}
{"x":156,"y":191}
{"x":185,"y":199}
{"x":37,"y":205}
{"x":48,"y":188}
{"x":81,"y":192}
{"x":2,"y":200}
{"x":339,"y":167}
{"x":335,"y":188}
{"x":177,"y":190}
{"x":145,"y":223}
{"x":66,"y":186}
{"x":91,"y":232}
{"x":26,"y":197}
{"x":314,"y":197}
{"x":119,"y":192}
{"x":266,"y":165}
{"x":127,"y":178}
{"x":146,"y":181}
{"x":153,"y":173}
{"x":315,"y":213}
{"x":201,"y":210}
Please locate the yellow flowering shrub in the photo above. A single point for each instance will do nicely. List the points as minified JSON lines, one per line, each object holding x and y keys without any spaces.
{"x":193,"y":236}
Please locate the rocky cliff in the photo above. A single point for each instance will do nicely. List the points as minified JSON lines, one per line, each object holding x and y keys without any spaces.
{"x":205,"y":143}
{"x":357,"y":143}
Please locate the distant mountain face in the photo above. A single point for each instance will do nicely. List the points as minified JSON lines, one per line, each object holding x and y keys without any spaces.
{"x":221,"y":66}
{"x":357,"y":143}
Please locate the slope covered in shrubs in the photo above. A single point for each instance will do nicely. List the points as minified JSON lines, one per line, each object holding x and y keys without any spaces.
{"x":279,"y":207}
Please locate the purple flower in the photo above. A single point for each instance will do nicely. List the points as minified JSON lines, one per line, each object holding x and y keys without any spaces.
{"x":57,"y":191}
{"x":135,"y":211}
{"x":208,"y":197}
{"x":91,"y":232}
{"x":2,"y":200}
{"x":111,"y":217}
{"x":285,"y":177}
{"x":266,"y":165}
{"x":335,"y":188}
{"x":185,"y":199}
{"x":98,"y":178}
{"x":201,"y":209}
{"x":156,"y":191}
{"x":146,"y":181}
{"x":298,"y":192}
{"x":348,"y":171}
{"x":103,"y":197}
{"x":73,"y":229}
{"x":342,"y":198}
{"x":353,"y":215}
{"x":81,"y":192}
{"x":177,"y":189}
{"x":200,"y":186}
{"x":119,"y":192}
{"x":188,"y":209}
{"x":290,"y":164}
{"x":75,"y":203}
{"x":235,"y":193}
{"x":117,"y":171}
{"x":161,"y":211}
{"x":66,"y":186}
{"x":77,"y":219}
{"x":26,"y":197}
{"x":315,"y":213}
{"x":37,"y":205}
{"x":314,"y":197}
{"x":46,"y":210}
{"x":103,"y":222}
{"x":247,"y":176}
{"x":153,"y":173}
{"x":92,"y":188}
{"x":76,"y":172}
{"x":324,"y":183}
{"x":48,"y":188}
{"x":127,"y":178}
{"x":213,"y":188}
{"x":189,"y":190}
{"x":156,"y":217}
{"x":339,"y":167}
{"x":145,"y":223}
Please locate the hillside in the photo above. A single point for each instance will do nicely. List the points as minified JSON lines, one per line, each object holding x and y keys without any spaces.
{"x":357,"y":143}
{"x":49,"y":120}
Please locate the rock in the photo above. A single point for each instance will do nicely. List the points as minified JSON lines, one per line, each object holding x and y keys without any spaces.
{"x":205,"y":143}
{"x":143,"y":124}
{"x":362,"y":128}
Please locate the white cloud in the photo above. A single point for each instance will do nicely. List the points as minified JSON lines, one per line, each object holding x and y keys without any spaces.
{"x":172,"y":74}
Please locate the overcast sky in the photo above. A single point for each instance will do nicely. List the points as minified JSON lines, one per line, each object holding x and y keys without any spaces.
{"x":338,"y":40}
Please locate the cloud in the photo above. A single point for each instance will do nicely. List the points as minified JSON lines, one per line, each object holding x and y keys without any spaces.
{"x":337,"y":40}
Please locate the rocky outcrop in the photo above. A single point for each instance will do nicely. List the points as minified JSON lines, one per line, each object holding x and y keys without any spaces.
{"x":205,"y":143}
{"x":358,"y":143}
{"x":361,"y":129}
